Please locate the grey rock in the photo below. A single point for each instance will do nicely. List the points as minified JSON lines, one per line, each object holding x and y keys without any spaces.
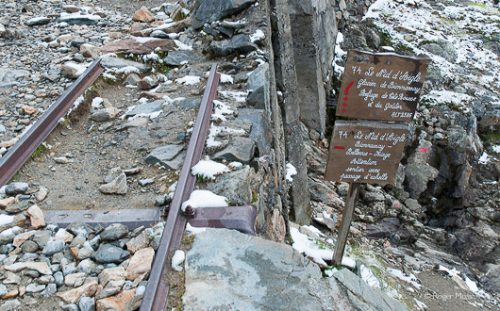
{"x":53,"y":247}
{"x":16,"y":188}
{"x":374,"y":298}
{"x":235,"y":186}
{"x":187,"y":103}
{"x":145,"y":182}
{"x":85,"y":252}
{"x":50,"y":290}
{"x":41,"y":237}
{"x":132,"y":79}
{"x":9,"y":76}
{"x":74,"y":279}
{"x":117,"y":63}
{"x":112,"y":288}
{"x":87,"y":304}
{"x":114,"y":232}
{"x":211,"y":11}
{"x":373,"y":196}
{"x":238,"y":44}
{"x":38,"y":21}
{"x":118,"y":185}
{"x":159,"y":34}
{"x":7,"y":237}
{"x":70,"y":307}
{"x":442,"y":48}
{"x":78,"y":229}
{"x":104,"y":115}
{"x":278,"y":277}
{"x":146,"y":108}
{"x":108,"y":253}
{"x":10,"y":305}
{"x":258,"y":85}
{"x":18,"y":207}
{"x":164,"y":154}
{"x":383,"y":229}
{"x":413,"y":205}
{"x":260,"y":132}
{"x":69,"y":268}
{"x":87,"y":266}
{"x":59,"y":278}
{"x":417,"y":176}
{"x":177,"y":58}
{"x":34,"y":288}
{"x":240,"y":149}
{"x":29,"y":246}
{"x":3,"y":290}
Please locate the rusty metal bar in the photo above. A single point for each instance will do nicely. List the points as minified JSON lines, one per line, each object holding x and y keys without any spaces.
{"x":241,"y":218}
{"x":131,"y":217}
{"x":156,"y":295}
{"x":18,"y":154}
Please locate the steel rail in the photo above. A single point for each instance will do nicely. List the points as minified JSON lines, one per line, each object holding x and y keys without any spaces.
{"x":156,"y":295}
{"x":18,"y":154}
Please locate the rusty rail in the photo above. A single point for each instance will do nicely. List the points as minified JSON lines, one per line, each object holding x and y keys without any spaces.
{"x":156,"y":295}
{"x":18,"y":154}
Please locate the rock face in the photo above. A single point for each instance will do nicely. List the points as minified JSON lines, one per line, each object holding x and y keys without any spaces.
{"x":219,"y":258}
{"x":210,"y":11}
{"x":314,"y":32}
{"x":363,"y":297}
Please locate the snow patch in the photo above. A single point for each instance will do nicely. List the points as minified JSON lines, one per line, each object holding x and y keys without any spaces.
{"x":195,"y":230}
{"x":408,"y":278}
{"x":367,"y":275}
{"x":6,"y":219}
{"x":257,"y":36}
{"x":204,"y":198}
{"x":182,"y":46}
{"x":224,"y":78}
{"x":290,"y":172}
{"x":484,"y":159}
{"x":178,"y":260}
{"x":209,"y":169}
{"x":97,"y":102}
{"x":188,"y":80}
{"x":127,"y":70}
{"x":304,"y":245}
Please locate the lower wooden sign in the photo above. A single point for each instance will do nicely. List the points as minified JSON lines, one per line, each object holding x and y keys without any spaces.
{"x":366,"y":152}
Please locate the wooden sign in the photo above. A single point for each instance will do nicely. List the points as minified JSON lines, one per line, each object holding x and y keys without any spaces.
{"x":382,"y":86}
{"x":366,"y":152}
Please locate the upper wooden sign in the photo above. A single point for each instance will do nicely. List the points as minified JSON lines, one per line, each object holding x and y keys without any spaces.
{"x":382,"y":86}
{"x":366,"y":152}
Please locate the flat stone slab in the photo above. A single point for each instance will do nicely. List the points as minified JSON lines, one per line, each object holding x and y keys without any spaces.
{"x":164,"y":154}
{"x":146,"y":108}
{"x":361,"y":294}
{"x":227,"y":270}
{"x":240,"y":149}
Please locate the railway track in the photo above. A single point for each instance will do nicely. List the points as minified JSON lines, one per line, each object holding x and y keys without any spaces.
{"x":241,"y":218}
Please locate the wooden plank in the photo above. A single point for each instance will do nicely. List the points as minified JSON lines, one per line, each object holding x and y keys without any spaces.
{"x":381,"y":86}
{"x":366,"y":152}
{"x":345,"y":224}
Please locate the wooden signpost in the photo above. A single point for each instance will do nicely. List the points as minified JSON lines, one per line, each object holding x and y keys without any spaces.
{"x":375,"y":88}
